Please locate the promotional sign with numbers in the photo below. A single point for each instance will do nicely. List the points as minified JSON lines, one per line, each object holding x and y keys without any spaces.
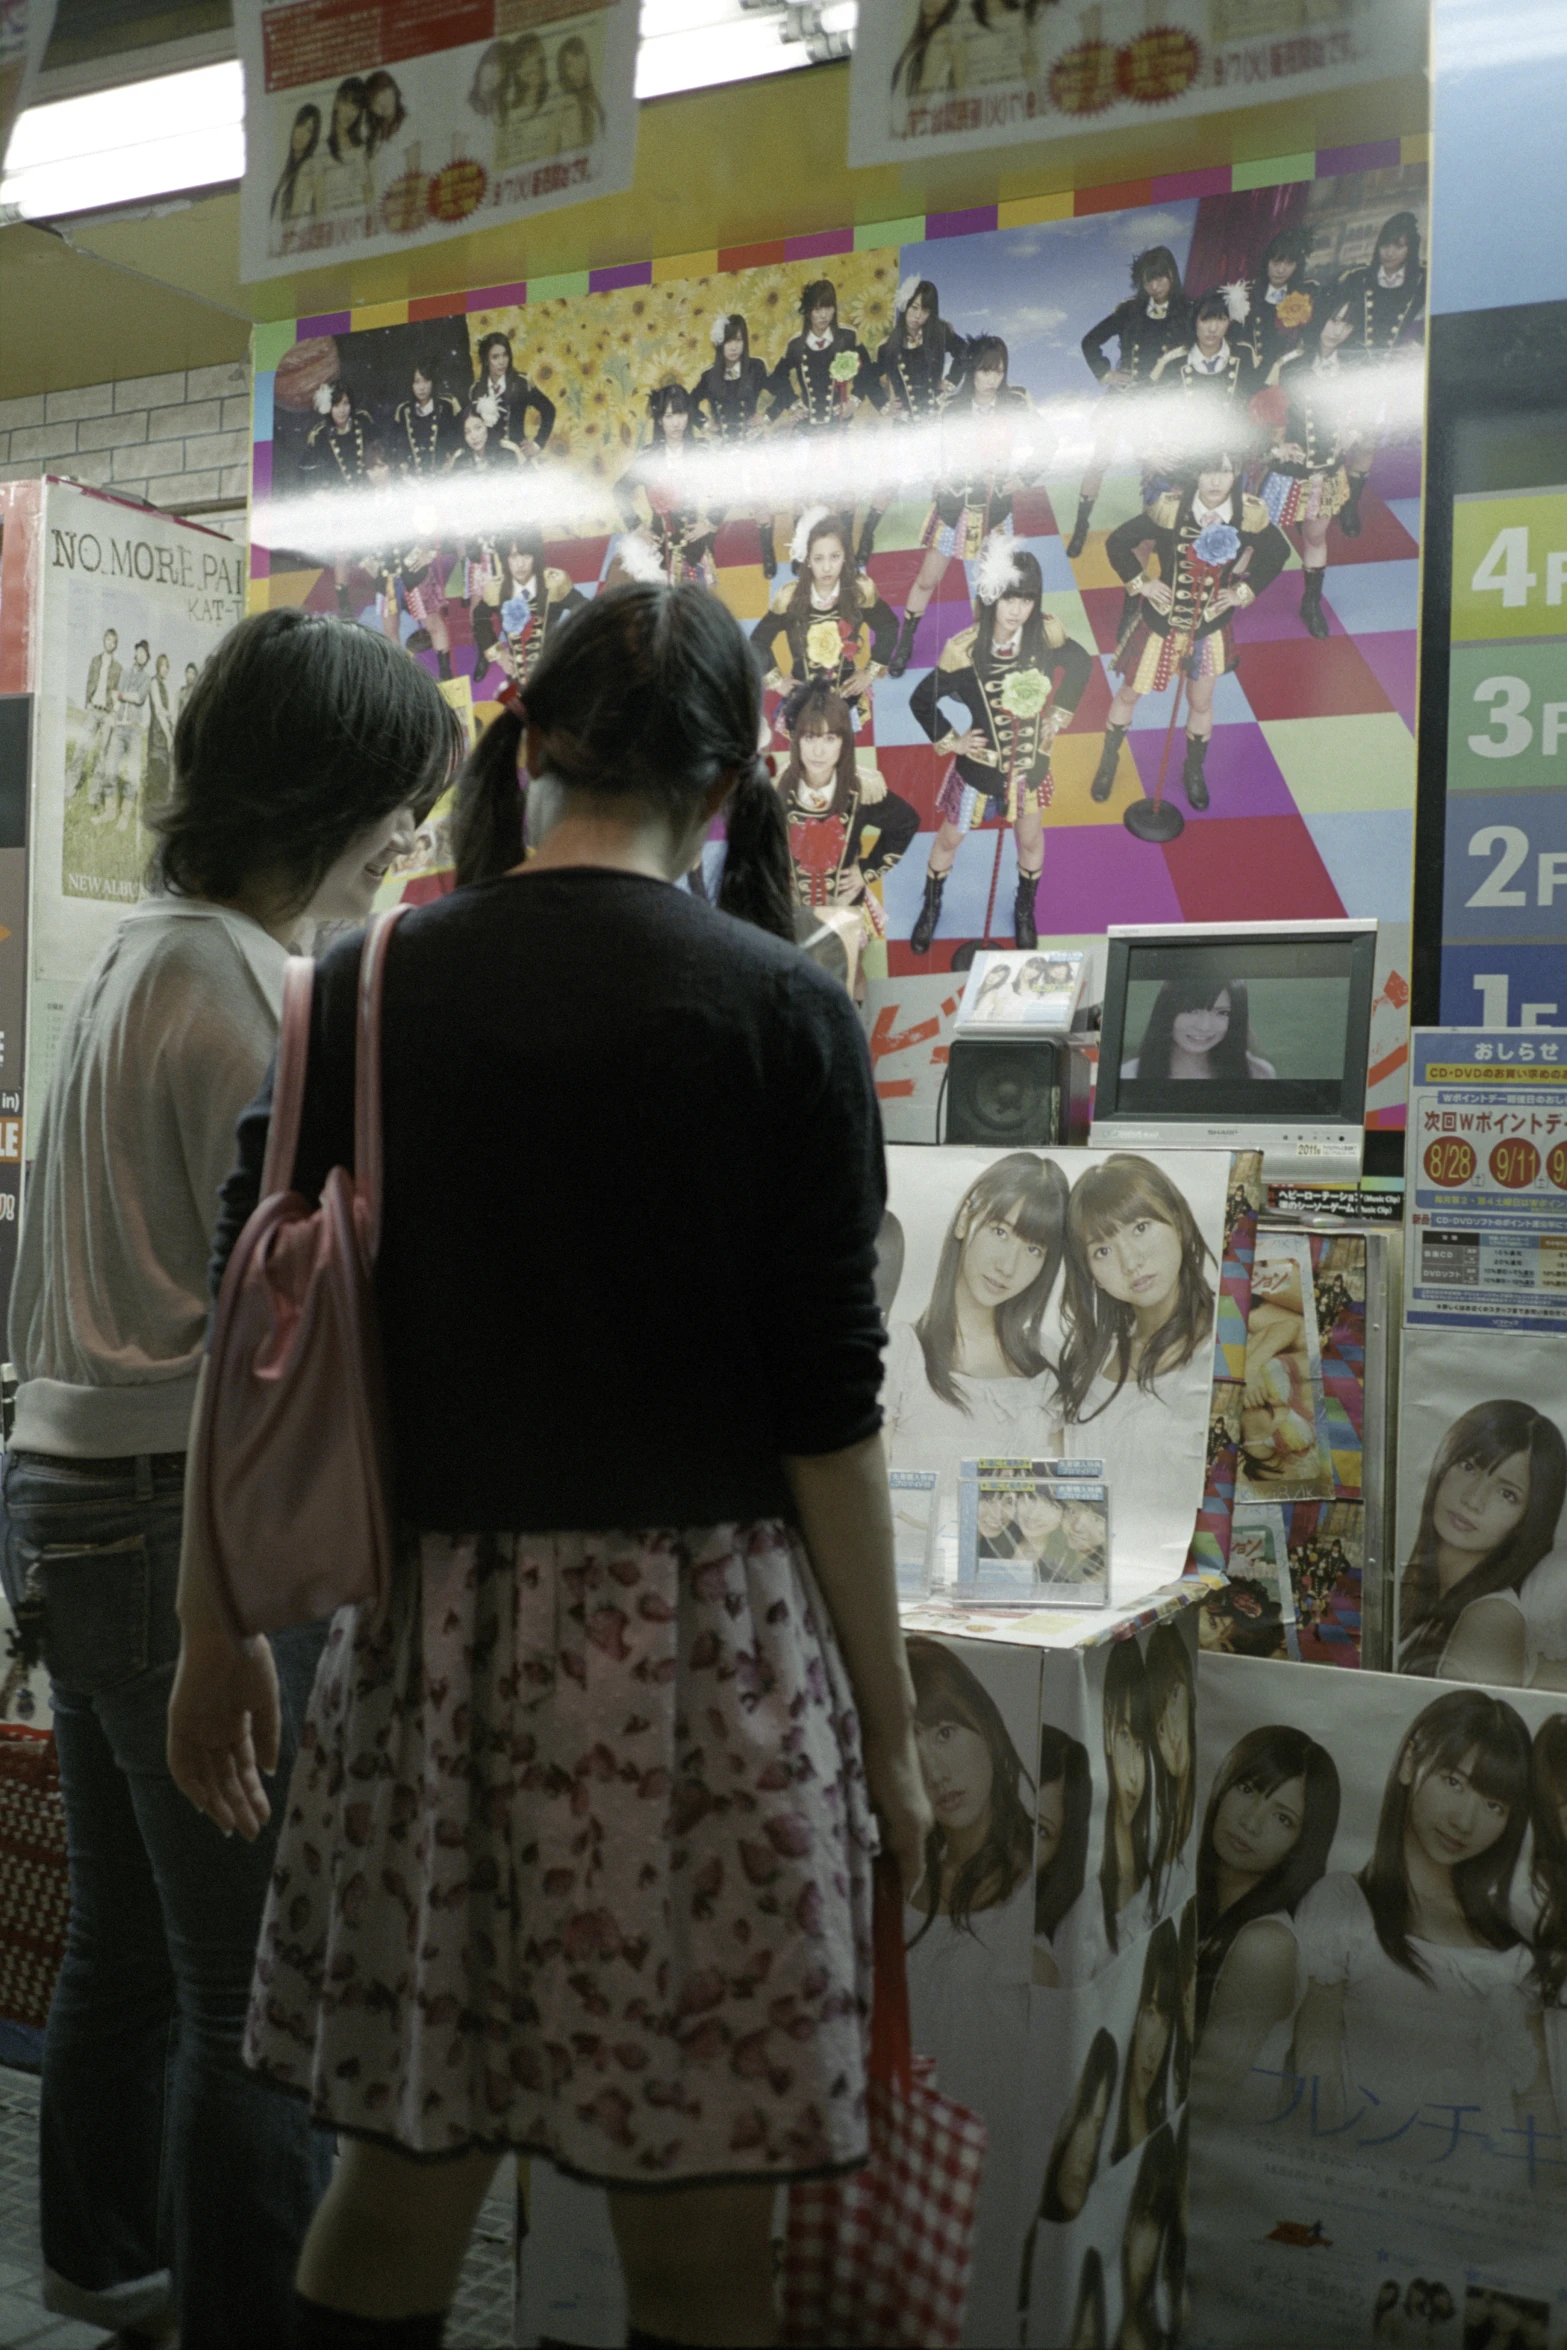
{"x":1487,"y":1179}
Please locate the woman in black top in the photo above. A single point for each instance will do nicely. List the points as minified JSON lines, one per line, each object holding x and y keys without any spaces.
{"x":579,"y":1860}
{"x":724,"y":402}
{"x":921,"y":366}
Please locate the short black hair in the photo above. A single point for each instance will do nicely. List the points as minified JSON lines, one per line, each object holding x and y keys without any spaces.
{"x":141,"y":646}
{"x":820,"y":294}
{"x":1156,"y":261}
{"x":1401,"y":228}
{"x":1212,"y":306}
{"x":1288,"y":244}
{"x":301,"y":731}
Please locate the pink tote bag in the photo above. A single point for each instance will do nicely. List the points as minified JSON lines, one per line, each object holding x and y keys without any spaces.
{"x":289,"y":1479}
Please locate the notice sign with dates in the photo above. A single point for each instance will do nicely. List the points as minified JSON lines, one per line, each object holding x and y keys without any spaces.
{"x":1486,"y":1186}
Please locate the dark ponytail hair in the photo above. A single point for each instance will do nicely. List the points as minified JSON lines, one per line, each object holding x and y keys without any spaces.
{"x":651,"y":693}
{"x":757,"y":881}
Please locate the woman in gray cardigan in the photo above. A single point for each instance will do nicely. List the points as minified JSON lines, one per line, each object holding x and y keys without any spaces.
{"x":175,"y":2189}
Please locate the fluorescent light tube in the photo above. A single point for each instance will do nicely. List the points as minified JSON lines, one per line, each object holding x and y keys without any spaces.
{"x":122,"y":146}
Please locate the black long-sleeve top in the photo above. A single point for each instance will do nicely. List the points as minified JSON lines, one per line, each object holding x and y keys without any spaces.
{"x":517,"y":397}
{"x":1141,"y":340}
{"x":1387,"y":318}
{"x":1019,"y":740}
{"x":1171,"y":528}
{"x":914,"y":373}
{"x":804,"y":375}
{"x":725,"y":405}
{"x":826,"y":647}
{"x":634,"y":1177}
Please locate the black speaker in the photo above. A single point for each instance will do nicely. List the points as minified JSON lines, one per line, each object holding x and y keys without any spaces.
{"x":1022,"y":1091}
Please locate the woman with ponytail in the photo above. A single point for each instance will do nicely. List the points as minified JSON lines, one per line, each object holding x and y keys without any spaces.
{"x":633,"y":1183}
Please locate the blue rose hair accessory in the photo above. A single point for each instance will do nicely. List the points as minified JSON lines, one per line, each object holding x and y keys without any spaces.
{"x":1219,"y":544}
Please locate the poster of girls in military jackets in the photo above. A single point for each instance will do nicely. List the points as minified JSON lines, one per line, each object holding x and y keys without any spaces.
{"x":1028,"y":525}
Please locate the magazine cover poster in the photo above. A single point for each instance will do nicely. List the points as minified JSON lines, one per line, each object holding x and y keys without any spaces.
{"x":133,"y":602}
{"x":1379,"y":2085}
{"x":366,"y":136}
{"x":1482,"y":1507}
{"x":1060,"y":1305}
{"x":940,"y":76}
{"x":953,"y":488}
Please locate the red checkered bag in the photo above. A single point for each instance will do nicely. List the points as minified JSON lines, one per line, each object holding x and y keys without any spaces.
{"x":35,"y":1886}
{"x":880,"y":2260}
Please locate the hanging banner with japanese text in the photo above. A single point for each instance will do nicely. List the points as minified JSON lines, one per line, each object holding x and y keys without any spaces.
{"x":370,"y":128}
{"x":932,"y":78}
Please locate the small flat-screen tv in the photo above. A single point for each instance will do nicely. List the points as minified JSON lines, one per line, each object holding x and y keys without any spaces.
{"x":1239,"y":1036}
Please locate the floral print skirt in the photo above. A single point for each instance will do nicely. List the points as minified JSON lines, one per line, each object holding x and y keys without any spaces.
{"x":577,"y":1860}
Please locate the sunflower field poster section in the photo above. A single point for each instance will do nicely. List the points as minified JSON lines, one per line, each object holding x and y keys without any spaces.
{"x":370,"y":128}
{"x":952,"y":474}
{"x":1379,"y":2078}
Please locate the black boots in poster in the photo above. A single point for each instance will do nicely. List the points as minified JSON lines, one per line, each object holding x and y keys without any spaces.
{"x":903,"y":650}
{"x":1079,"y":538}
{"x":1311,"y":605}
{"x":1025,"y":930}
{"x":1104,"y":774}
{"x":928,"y":916}
{"x":1193,"y":781}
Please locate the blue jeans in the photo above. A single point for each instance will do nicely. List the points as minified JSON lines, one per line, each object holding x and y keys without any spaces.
{"x":159,"y":2151}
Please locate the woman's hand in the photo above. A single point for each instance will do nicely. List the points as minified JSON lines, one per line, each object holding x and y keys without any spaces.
{"x":223,"y":1729}
{"x":850,"y":885}
{"x":1290,"y":451}
{"x":975,"y":744}
{"x":857,"y":684}
{"x":1159,"y":593}
{"x":1117,"y":379}
{"x":901,"y":1805}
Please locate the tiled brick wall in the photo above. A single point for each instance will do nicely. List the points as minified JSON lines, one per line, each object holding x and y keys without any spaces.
{"x":176,"y":440}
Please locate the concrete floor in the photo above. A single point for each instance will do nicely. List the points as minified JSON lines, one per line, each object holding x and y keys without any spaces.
{"x":481,"y":2319}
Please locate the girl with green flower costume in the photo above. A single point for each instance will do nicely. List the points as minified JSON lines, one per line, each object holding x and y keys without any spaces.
{"x":1019,"y":677}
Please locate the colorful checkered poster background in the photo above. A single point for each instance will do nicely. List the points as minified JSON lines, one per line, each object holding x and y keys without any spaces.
{"x":1312,"y":764}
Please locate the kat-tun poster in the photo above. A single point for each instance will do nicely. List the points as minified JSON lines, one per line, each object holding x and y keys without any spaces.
{"x":1059,"y":514}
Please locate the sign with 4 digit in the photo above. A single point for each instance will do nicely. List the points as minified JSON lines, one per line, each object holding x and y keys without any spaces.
{"x":1510,"y":565}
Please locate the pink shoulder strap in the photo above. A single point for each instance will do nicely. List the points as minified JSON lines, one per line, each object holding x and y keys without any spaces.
{"x":288,"y":1085}
{"x":367,"y":1073}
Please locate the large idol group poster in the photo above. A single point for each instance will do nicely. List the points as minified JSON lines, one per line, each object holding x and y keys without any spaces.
{"x":1028,"y":523}
{"x":1379,"y":2082}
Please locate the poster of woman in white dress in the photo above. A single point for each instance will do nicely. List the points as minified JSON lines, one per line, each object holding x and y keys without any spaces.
{"x":1382,"y":1995}
{"x":1482,"y":1509}
{"x":1060,"y":1304}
